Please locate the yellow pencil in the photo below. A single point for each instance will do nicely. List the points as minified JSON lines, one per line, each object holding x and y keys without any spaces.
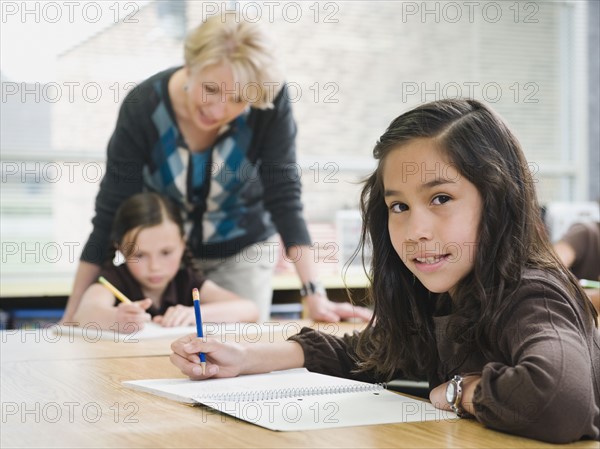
{"x":120,"y":296}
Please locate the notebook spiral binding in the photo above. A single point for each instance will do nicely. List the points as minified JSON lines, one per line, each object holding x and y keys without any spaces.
{"x":287,"y":393}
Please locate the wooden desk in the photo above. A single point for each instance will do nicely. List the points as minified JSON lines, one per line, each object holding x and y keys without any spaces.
{"x":48,"y":344}
{"x":79,"y":402}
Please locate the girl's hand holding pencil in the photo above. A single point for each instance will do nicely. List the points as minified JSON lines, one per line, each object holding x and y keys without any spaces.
{"x":222,"y":359}
{"x":201,"y":358}
{"x":130,"y":316}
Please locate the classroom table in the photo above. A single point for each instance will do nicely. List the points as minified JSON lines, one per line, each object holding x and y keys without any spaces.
{"x":66,"y":343}
{"x":70,"y":395}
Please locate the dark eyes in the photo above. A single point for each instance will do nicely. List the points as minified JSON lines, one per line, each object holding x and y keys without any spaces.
{"x":441,"y":199}
{"x":398,"y":207}
{"x":438,"y":200}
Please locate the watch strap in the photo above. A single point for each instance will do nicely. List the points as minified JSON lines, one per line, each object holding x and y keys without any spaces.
{"x":456,"y":405}
{"x":312,"y":288}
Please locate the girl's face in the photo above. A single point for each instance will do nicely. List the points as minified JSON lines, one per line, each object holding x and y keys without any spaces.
{"x":155,"y":256}
{"x":434,"y":214}
{"x":214,"y":97}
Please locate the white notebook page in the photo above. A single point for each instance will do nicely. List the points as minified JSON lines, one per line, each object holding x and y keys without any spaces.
{"x":297,"y":400}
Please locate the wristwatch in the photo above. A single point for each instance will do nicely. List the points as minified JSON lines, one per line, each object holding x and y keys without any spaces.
{"x":454,"y":392}
{"x":311,"y":288}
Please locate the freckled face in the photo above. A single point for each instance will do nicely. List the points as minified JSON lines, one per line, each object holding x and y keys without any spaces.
{"x":434,"y":214}
{"x":214,"y":97}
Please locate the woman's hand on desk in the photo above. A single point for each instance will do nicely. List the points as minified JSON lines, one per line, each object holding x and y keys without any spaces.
{"x":223,"y":359}
{"x":320,"y":308}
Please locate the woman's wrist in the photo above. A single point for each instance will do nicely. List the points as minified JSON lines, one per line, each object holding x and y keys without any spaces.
{"x":314,"y":287}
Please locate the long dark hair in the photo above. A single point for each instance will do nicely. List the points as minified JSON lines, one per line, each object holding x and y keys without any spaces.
{"x":140,"y":211}
{"x":400,"y":337}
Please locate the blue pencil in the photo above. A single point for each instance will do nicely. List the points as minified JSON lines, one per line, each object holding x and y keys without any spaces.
{"x":199,"y":332}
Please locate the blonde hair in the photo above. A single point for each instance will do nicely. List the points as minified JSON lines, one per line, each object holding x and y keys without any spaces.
{"x":245,"y":47}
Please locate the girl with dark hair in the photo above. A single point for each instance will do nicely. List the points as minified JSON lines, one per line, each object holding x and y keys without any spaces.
{"x":466,"y":291}
{"x":158,"y":274}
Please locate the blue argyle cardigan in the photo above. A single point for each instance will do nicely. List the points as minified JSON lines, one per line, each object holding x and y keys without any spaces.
{"x":241,"y":191}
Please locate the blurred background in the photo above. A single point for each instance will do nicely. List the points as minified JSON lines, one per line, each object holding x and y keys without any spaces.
{"x":352,"y":67}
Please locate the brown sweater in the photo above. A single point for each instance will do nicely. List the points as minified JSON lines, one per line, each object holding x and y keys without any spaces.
{"x":542,"y":380}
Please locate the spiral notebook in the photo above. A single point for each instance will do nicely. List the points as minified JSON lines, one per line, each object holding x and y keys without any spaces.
{"x":294,"y":400}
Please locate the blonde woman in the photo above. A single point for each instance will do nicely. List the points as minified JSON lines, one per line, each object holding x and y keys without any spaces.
{"x":217,"y":137}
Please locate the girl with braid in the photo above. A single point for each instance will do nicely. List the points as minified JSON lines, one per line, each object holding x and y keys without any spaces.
{"x":158,"y":274}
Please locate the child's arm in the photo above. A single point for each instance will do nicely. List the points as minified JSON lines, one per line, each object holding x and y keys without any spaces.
{"x":437,"y":396}
{"x":542,"y":386}
{"x":86,"y":275}
{"x":97,"y":306}
{"x":233,"y":359}
{"x":218,"y":306}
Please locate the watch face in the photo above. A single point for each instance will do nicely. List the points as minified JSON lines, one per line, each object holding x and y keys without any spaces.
{"x":451,"y":393}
